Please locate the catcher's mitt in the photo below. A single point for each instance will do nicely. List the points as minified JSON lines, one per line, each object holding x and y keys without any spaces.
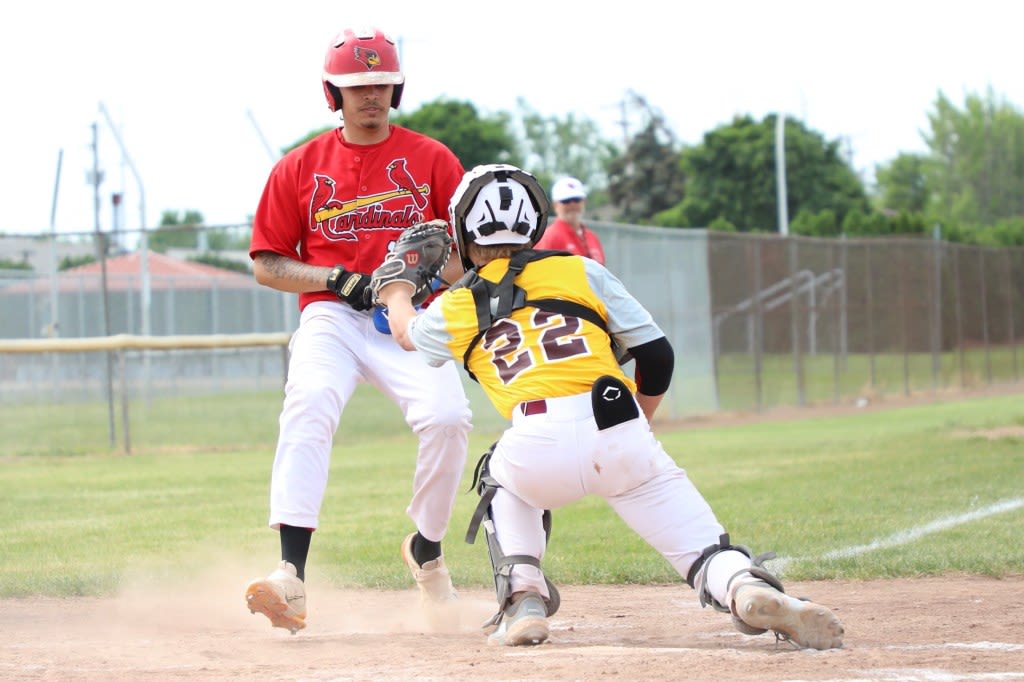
{"x":420,"y":254}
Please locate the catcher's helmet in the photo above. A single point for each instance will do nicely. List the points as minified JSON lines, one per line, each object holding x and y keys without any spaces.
{"x":361,"y":56}
{"x":497,"y":204}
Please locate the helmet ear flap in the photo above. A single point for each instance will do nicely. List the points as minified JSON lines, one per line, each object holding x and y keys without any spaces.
{"x":396,"y":96}
{"x":333,"y":93}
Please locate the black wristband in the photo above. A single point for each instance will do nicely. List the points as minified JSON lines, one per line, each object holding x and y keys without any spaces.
{"x":332,"y":279}
{"x":351,"y":287}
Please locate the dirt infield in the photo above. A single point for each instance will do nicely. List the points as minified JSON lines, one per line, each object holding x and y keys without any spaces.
{"x":919,"y":629}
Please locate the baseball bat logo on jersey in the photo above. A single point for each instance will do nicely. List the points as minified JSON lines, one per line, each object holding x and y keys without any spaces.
{"x":338,"y":218}
{"x":366,"y":56}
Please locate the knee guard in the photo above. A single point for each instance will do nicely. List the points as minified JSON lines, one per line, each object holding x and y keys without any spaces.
{"x":501,"y":564}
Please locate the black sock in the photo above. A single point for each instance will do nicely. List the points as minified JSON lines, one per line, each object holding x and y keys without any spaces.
{"x":295,"y":547}
{"x":424,"y":550}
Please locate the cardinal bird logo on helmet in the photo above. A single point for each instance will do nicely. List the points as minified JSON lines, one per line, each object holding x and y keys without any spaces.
{"x":365,"y":55}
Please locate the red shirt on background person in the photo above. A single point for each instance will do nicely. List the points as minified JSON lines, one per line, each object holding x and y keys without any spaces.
{"x":568,"y":233}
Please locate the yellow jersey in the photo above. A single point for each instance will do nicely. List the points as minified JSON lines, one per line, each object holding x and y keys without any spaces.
{"x":535,"y":353}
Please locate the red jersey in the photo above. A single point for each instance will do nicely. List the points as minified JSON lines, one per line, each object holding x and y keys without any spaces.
{"x":328,"y":202}
{"x":562,"y":236}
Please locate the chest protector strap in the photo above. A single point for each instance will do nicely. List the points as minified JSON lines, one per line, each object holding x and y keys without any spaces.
{"x":496,"y":301}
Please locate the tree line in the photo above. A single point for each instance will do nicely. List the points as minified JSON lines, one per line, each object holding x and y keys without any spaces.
{"x":969,"y":183}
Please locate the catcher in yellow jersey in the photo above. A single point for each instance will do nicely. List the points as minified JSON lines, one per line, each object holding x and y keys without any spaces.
{"x":543,"y":332}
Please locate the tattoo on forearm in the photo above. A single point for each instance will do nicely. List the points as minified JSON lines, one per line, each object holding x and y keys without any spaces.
{"x":282,"y":267}
{"x":277,"y":265}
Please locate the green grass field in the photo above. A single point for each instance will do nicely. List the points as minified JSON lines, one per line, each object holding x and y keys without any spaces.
{"x":828,"y":377}
{"x":868,"y":495}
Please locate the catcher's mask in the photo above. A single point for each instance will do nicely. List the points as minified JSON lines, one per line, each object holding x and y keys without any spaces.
{"x":497,"y":204}
{"x":361,"y":56}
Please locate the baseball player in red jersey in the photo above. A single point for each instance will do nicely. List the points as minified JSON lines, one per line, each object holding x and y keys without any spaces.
{"x":328,"y":215}
{"x":544,"y":346}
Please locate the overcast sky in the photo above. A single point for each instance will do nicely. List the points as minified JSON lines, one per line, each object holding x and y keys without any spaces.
{"x":191,"y":87}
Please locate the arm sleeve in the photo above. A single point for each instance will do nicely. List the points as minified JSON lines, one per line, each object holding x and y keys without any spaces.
{"x":629,"y":323}
{"x":655,"y":361}
{"x":429,"y":333}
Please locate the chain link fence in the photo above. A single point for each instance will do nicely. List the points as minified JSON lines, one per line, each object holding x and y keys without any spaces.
{"x":799,"y":321}
{"x":757,"y":321}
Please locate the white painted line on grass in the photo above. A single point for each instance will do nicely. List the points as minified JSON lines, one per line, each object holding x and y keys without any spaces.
{"x":911,"y":534}
{"x":905,"y":536}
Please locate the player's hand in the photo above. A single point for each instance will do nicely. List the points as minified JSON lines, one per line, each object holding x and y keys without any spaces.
{"x":351,"y":287}
{"x":388,"y":294}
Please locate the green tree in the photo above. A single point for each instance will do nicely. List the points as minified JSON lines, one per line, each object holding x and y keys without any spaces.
{"x":732,"y":175}
{"x":176,"y":230}
{"x":1007,"y":232}
{"x":223,"y":263}
{"x":647,"y":178}
{"x":475,"y":139}
{"x":68,"y":262}
{"x":8,"y":264}
{"x":306,"y":138}
{"x":978,"y":169}
{"x":554,"y":147}
{"x":226,"y":240}
{"x":902,"y":184}
{"x":821,"y":223}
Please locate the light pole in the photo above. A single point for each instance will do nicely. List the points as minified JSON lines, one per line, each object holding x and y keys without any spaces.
{"x":54,"y":293}
{"x":146,"y":294}
{"x":780,"y":172}
{"x":274,"y":156}
{"x":96,"y":177}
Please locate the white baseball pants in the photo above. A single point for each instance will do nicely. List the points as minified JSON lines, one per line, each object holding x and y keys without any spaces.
{"x":334,"y":349}
{"x":551,"y":459}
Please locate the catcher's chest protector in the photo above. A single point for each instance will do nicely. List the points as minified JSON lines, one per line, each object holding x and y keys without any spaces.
{"x":510,"y":297}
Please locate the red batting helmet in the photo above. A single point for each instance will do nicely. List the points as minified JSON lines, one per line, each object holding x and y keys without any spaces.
{"x":361,"y":56}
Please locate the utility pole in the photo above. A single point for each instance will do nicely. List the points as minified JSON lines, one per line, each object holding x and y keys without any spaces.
{"x":143,"y":234}
{"x":624,"y":122}
{"x":101,"y":254}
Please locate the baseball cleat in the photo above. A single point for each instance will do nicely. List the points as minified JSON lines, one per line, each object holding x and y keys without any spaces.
{"x":804,"y":623}
{"x":281,"y":597}
{"x":433,"y":578}
{"x":524,"y":623}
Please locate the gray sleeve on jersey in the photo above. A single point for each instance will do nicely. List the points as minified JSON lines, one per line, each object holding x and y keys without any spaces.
{"x":628,"y":321}
{"x":429,"y":335}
